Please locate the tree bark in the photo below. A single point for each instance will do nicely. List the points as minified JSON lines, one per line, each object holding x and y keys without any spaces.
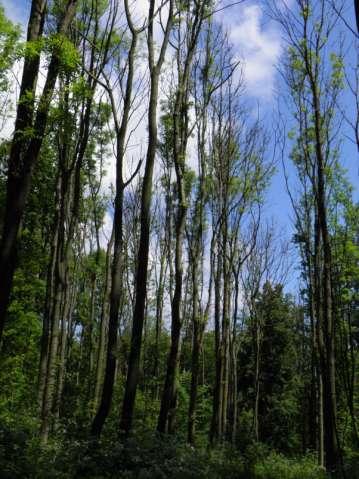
{"x":216,"y":425}
{"x":24,"y":152}
{"x":146,"y":197}
{"x":18,"y":167}
{"x":100,"y":367}
{"x":116,"y":294}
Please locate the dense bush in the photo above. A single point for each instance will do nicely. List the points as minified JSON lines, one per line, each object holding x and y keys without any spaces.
{"x":146,"y":457}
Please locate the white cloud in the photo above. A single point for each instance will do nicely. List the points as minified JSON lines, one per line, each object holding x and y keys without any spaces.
{"x":259,"y":46}
{"x":140,"y":7}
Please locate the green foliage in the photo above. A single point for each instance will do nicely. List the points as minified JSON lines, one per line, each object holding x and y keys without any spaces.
{"x":147,"y":456}
{"x":31,"y":49}
{"x":9,"y":36}
{"x":14,"y":461}
{"x":279,"y":409}
{"x":276,"y":466}
{"x":80,"y":89}
{"x":189,"y":180}
{"x":18,"y":374}
{"x":235,"y":170}
{"x":338,"y":76}
{"x":65,"y":50}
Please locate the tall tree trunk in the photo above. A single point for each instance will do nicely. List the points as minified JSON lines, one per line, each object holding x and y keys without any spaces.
{"x":68,"y":305}
{"x":146,"y":198}
{"x":314,"y":366}
{"x":100,"y":363}
{"x":18,"y":168}
{"x":216,"y":425}
{"x":234,"y":347}
{"x":225,"y":334}
{"x":196,"y":349}
{"x":332,"y":452}
{"x":24,"y":153}
{"x":51,"y":373}
{"x":70,"y":165}
{"x":198,"y":330}
{"x":168,"y":401}
{"x":257,"y":332}
{"x":115,"y":300}
{"x":159,"y":313}
{"x":116,"y":295}
{"x":50,"y":284}
{"x":180,"y":138}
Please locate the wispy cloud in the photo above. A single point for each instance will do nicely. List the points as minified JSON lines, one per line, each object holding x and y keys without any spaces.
{"x":257,"y":44}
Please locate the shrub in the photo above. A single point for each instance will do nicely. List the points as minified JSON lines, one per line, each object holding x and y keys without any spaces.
{"x":276,"y":466}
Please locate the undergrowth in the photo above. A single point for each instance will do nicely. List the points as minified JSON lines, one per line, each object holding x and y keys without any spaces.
{"x":147,"y":456}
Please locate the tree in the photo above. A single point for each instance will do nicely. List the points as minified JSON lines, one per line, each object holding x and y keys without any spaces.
{"x":30,"y":125}
{"x":146,"y":197}
{"x":315,"y":94}
{"x":187,"y":38}
{"x":9,"y":37}
{"x":72,"y":154}
{"x":121,"y":128}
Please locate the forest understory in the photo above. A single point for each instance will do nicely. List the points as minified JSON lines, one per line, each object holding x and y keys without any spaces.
{"x":179,"y":251}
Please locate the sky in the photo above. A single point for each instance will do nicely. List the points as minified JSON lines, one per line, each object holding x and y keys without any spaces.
{"x":257,"y":41}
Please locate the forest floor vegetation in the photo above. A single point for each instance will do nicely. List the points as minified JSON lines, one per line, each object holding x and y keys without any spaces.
{"x":148,"y":456}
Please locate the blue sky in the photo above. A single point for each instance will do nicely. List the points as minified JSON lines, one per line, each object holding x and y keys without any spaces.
{"x":17,"y":10}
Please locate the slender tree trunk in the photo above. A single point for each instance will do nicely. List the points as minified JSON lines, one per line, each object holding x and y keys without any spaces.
{"x":313,"y":406}
{"x":198,"y":330}
{"x":50,"y":284}
{"x":234,"y":357}
{"x":351,"y":382}
{"x":159,"y":311}
{"x":65,"y":225}
{"x":216,"y":425}
{"x":115,"y":299}
{"x":51,"y":374}
{"x":234,"y":393}
{"x":146,"y":198}
{"x":319,"y":338}
{"x":180,"y":139}
{"x":68,"y":305}
{"x":59,"y":295}
{"x":100,"y":366}
{"x":225,"y":335}
{"x":257,"y":333}
{"x":196,"y":349}
{"x":332,"y":452}
{"x":116,"y":295}
{"x":169,"y":392}
{"x":321,"y":458}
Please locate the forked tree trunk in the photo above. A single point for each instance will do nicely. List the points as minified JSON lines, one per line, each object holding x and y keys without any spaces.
{"x":145,"y":217}
{"x":180,"y":138}
{"x":116,"y":294}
